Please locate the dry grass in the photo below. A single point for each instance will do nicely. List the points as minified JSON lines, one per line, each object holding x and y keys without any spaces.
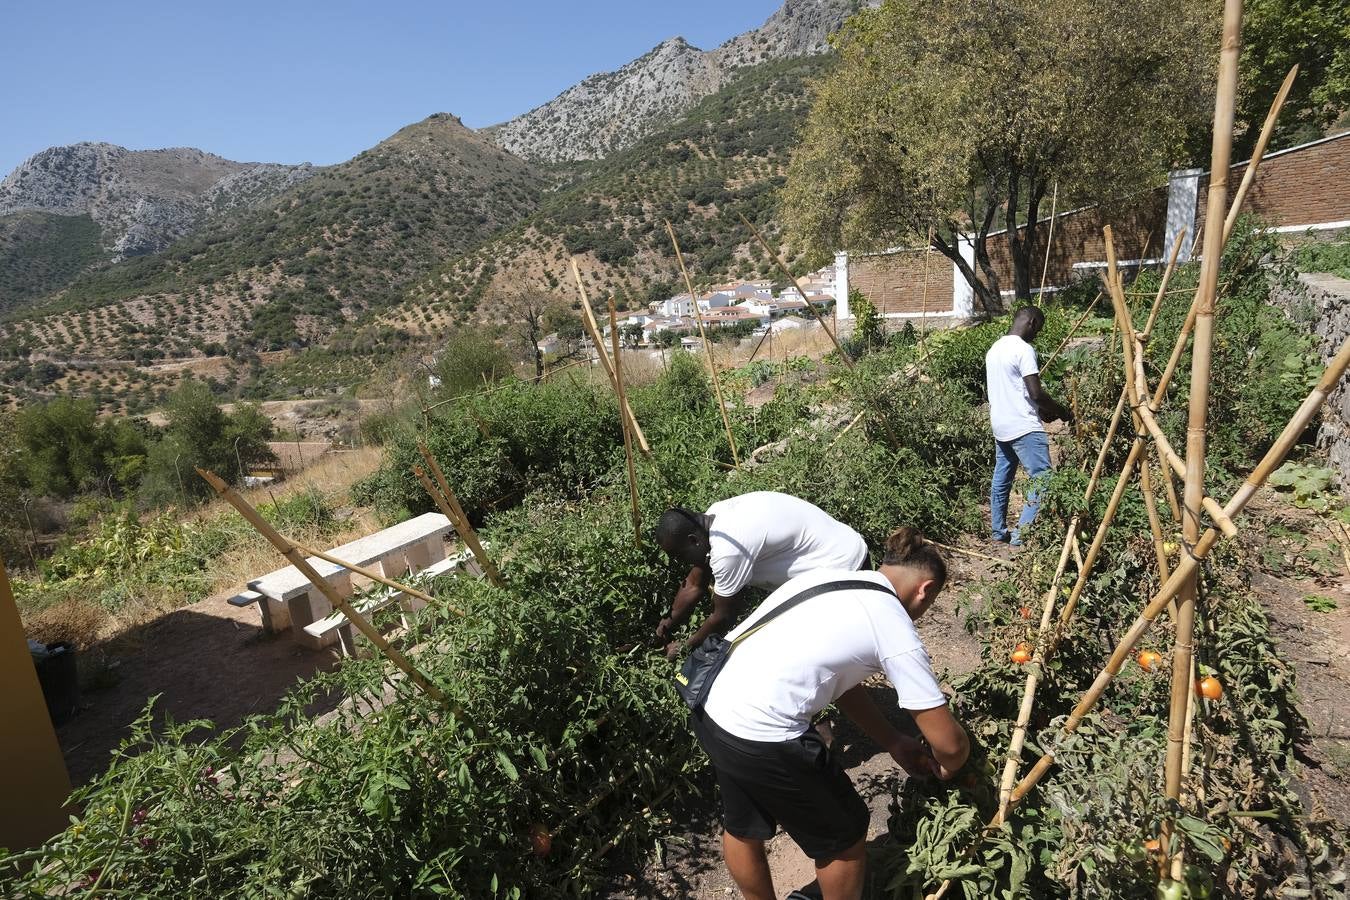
{"x":80,"y":622}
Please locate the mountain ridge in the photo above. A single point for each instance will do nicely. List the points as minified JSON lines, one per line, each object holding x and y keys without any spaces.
{"x":611,"y":111}
{"x":142,"y":200}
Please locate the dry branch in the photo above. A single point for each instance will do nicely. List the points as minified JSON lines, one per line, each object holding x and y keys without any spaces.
{"x":627,"y":436}
{"x":707,"y":345}
{"x":445,"y":499}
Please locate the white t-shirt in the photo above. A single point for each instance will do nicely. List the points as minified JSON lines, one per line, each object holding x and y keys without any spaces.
{"x":1011,"y":412}
{"x":782,"y":675}
{"x":764,"y":538}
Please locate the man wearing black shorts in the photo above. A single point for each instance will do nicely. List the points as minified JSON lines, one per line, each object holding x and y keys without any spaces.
{"x":772,"y":768}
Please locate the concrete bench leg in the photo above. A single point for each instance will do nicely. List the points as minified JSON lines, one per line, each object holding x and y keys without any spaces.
{"x":312,"y":606}
{"x":346,"y":640}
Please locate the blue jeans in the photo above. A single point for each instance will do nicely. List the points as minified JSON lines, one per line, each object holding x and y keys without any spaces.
{"x":1032,"y":451}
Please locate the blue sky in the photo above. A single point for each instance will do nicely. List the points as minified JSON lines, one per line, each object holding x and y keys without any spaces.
{"x":288,"y":81}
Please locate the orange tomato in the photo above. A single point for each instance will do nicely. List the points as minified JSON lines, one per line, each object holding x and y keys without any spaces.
{"x":1148,"y":660}
{"x":1025,"y":612}
{"x":1022,"y":654}
{"x":541,"y":839}
{"x":1152,"y":845}
{"x":1209,"y":687}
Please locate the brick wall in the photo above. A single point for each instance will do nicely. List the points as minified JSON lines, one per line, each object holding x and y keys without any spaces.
{"x":1138,"y":226}
{"x":1305,"y":186}
{"x":894,"y":281}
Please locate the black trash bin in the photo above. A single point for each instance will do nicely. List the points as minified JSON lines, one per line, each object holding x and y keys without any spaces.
{"x":59,"y":677}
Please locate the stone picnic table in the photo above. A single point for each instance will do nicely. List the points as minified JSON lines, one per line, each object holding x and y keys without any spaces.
{"x":286,"y":597}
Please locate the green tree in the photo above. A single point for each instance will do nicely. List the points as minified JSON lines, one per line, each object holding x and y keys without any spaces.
{"x":1276,"y":34}
{"x":867,"y":328}
{"x":200,"y":433}
{"x":963,"y":114}
{"x":62,"y":446}
{"x":470,"y":357}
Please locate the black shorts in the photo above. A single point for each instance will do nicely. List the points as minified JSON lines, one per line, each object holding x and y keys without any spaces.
{"x":797,"y":784}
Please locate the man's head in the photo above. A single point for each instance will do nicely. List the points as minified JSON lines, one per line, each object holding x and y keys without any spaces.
{"x":683,"y":535}
{"x":914,"y":568}
{"x":1027,"y":322}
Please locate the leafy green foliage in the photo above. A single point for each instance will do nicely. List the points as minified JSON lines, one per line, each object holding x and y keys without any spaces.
{"x":64,"y":449}
{"x":1308,"y":485}
{"x":1000,"y":102}
{"x":1323,"y":256}
{"x":201,"y":434}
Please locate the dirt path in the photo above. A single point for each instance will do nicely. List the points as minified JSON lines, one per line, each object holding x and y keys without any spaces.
{"x":208,"y":660}
{"x":1298,"y":572}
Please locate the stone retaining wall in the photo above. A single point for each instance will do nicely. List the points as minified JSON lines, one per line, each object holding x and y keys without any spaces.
{"x":1329,"y":297}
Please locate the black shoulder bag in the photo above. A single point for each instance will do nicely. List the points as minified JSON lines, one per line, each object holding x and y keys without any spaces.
{"x":700,"y":669}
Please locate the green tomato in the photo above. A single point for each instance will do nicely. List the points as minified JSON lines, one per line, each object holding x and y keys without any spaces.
{"x":1135,"y":853}
{"x":1169,"y":890}
{"x":1199,"y":883}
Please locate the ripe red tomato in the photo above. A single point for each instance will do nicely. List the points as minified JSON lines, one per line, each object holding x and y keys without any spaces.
{"x":541,"y":839}
{"x":1209,"y":687}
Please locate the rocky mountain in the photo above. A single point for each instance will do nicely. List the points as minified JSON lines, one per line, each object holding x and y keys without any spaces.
{"x":141,"y":200}
{"x":612,"y":111}
{"x":287,"y":271}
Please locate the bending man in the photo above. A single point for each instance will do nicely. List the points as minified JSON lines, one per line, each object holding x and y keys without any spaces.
{"x":772,"y":768}
{"x":1017,"y":404}
{"x":759,"y":539}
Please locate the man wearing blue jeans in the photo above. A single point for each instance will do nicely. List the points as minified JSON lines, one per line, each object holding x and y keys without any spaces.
{"x":1017,"y":405}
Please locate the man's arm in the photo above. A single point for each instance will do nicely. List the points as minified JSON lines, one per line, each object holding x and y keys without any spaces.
{"x":718,"y":621}
{"x":686,"y":598}
{"x":946,"y":738}
{"x":1047,"y":407}
{"x":905,"y":750}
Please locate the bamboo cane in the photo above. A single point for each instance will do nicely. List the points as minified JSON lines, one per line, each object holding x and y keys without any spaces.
{"x":707,"y":345}
{"x":847,"y":429}
{"x":1187,"y":565}
{"x":1235,"y":208}
{"x":923,"y":317}
{"x":449,"y":504}
{"x":627,"y":437}
{"x":1072,"y":330}
{"x":1198,"y":414}
{"x":375,"y":576}
{"x":1262,"y":142}
{"x":1043,"y":648}
{"x":795,"y":283}
{"x":296,"y":558}
{"x":593,"y":329}
{"x":1154,"y":523}
{"x":973,"y":554}
{"x":1054,"y":204}
{"x":1162,"y":286}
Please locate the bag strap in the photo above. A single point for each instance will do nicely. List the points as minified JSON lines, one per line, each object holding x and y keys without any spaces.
{"x":827,"y":588}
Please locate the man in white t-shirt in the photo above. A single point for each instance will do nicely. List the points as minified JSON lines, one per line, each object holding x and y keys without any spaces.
{"x":760,"y":539}
{"x":773,"y":769}
{"x":1017,"y":405}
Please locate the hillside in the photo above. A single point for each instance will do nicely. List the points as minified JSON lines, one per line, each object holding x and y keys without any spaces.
{"x":139,"y":202}
{"x":290,"y":271}
{"x":612,"y":111}
{"x":726,"y":156}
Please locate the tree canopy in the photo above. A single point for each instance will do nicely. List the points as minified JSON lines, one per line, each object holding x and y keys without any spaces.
{"x":1276,"y":34}
{"x":963,"y":114}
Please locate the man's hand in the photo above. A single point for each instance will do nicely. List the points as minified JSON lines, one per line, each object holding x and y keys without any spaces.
{"x":664,"y":629}
{"x":673,"y":650}
{"x":911,"y":756}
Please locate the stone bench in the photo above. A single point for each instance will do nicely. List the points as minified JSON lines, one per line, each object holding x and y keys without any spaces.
{"x":287,"y":598}
{"x":382,"y":596}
